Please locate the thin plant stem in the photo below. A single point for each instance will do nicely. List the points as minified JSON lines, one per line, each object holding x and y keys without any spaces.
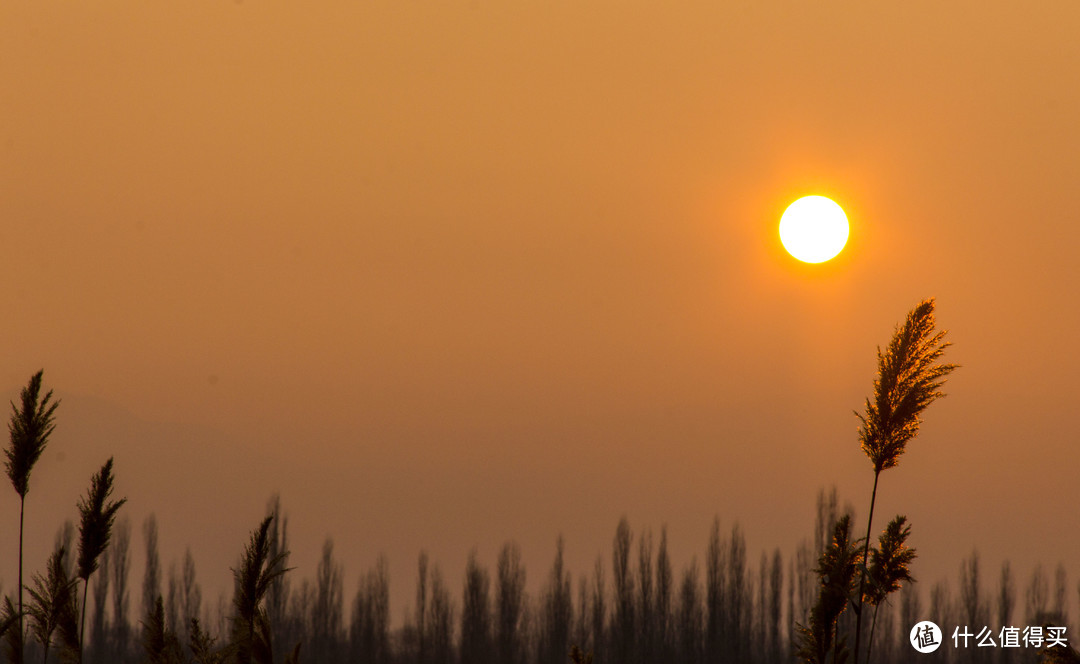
{"x":22,"y":506}
{"x":82,"y":618}
{"x":873,"y":626}
{"x":862,"y":572}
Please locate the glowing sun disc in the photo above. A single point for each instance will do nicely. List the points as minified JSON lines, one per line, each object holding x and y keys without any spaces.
{"x":814,"y":229}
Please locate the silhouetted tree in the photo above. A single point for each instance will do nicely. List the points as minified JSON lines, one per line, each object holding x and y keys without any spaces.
{"x":737,"y":603}
{"x":582,"y":635}
{"x":190,"y":592}
{"x":644,"y":612}
{"x":773,"y":610}
{"x":476,"y":614}
{"x":65,"y":539}
{"x":221,"y":617}
{"x":1060,"y":614}
{"x":664,"y":591}
{"x":30,"y":426}
{"x":298,"y":617}
{"x":1036,"y":596}
{"x":120,"y":563}
{"x":942,"y":610}
{"x":623,"y":624}
{"x":599,"y":608}
{"x":909,"y":379}
{"x":716,"y":638}
{"x":440,"y":620}
{"x":975,"y":611}
{"x":825,"y":518}
{"x":971,"y":592}
{"x":884,"y":641}
{"x":689,"y":619}
{"x":760,"y":645}
{"x":173,"y":620}
{"x":151,"y":589}
{"x":800,"y":589}
{"x":911,"y":611}
{"x":422,"y":609}
{"x":509,"y":604}
{"x":369,"y":630}
{"x":1006,"y":600}
{"x":327,"y":612}
{"x":557,"y":612}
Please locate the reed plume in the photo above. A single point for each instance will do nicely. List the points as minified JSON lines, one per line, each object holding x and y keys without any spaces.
{"x":909,"y":379}
{"x":204,"y":647}
{"x":889,"y":567}
{"x":159,"y":643}
{"x":836,"y":570}
{"x":30,"y":426}
{"x":257,"y":571}
{"x":50,"y":598}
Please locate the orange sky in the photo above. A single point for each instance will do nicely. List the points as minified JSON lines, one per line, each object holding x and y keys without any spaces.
{"x":448,"y":275}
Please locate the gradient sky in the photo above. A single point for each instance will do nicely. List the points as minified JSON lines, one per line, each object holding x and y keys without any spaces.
{"x":446,"y":274}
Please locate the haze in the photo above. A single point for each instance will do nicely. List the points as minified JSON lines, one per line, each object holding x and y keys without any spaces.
{"x":448,"y":275}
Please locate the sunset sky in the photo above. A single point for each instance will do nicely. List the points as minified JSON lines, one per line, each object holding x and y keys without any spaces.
{"x":447,"y":274}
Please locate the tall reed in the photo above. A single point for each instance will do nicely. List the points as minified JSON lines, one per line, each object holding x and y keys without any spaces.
{"x":257,"y":571}
{"x":30,"y":426}
{"x":97,"y":514}
{"x":909,"y":379}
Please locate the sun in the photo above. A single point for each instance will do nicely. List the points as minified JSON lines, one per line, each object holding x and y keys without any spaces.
{"x":814,"y":229}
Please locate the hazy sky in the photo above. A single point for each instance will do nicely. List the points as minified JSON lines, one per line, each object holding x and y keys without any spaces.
{"x":446,"y":274}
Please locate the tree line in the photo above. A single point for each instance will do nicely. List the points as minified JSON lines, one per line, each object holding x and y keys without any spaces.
{"x":632,"y":607}
{"x":839,"y":597}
